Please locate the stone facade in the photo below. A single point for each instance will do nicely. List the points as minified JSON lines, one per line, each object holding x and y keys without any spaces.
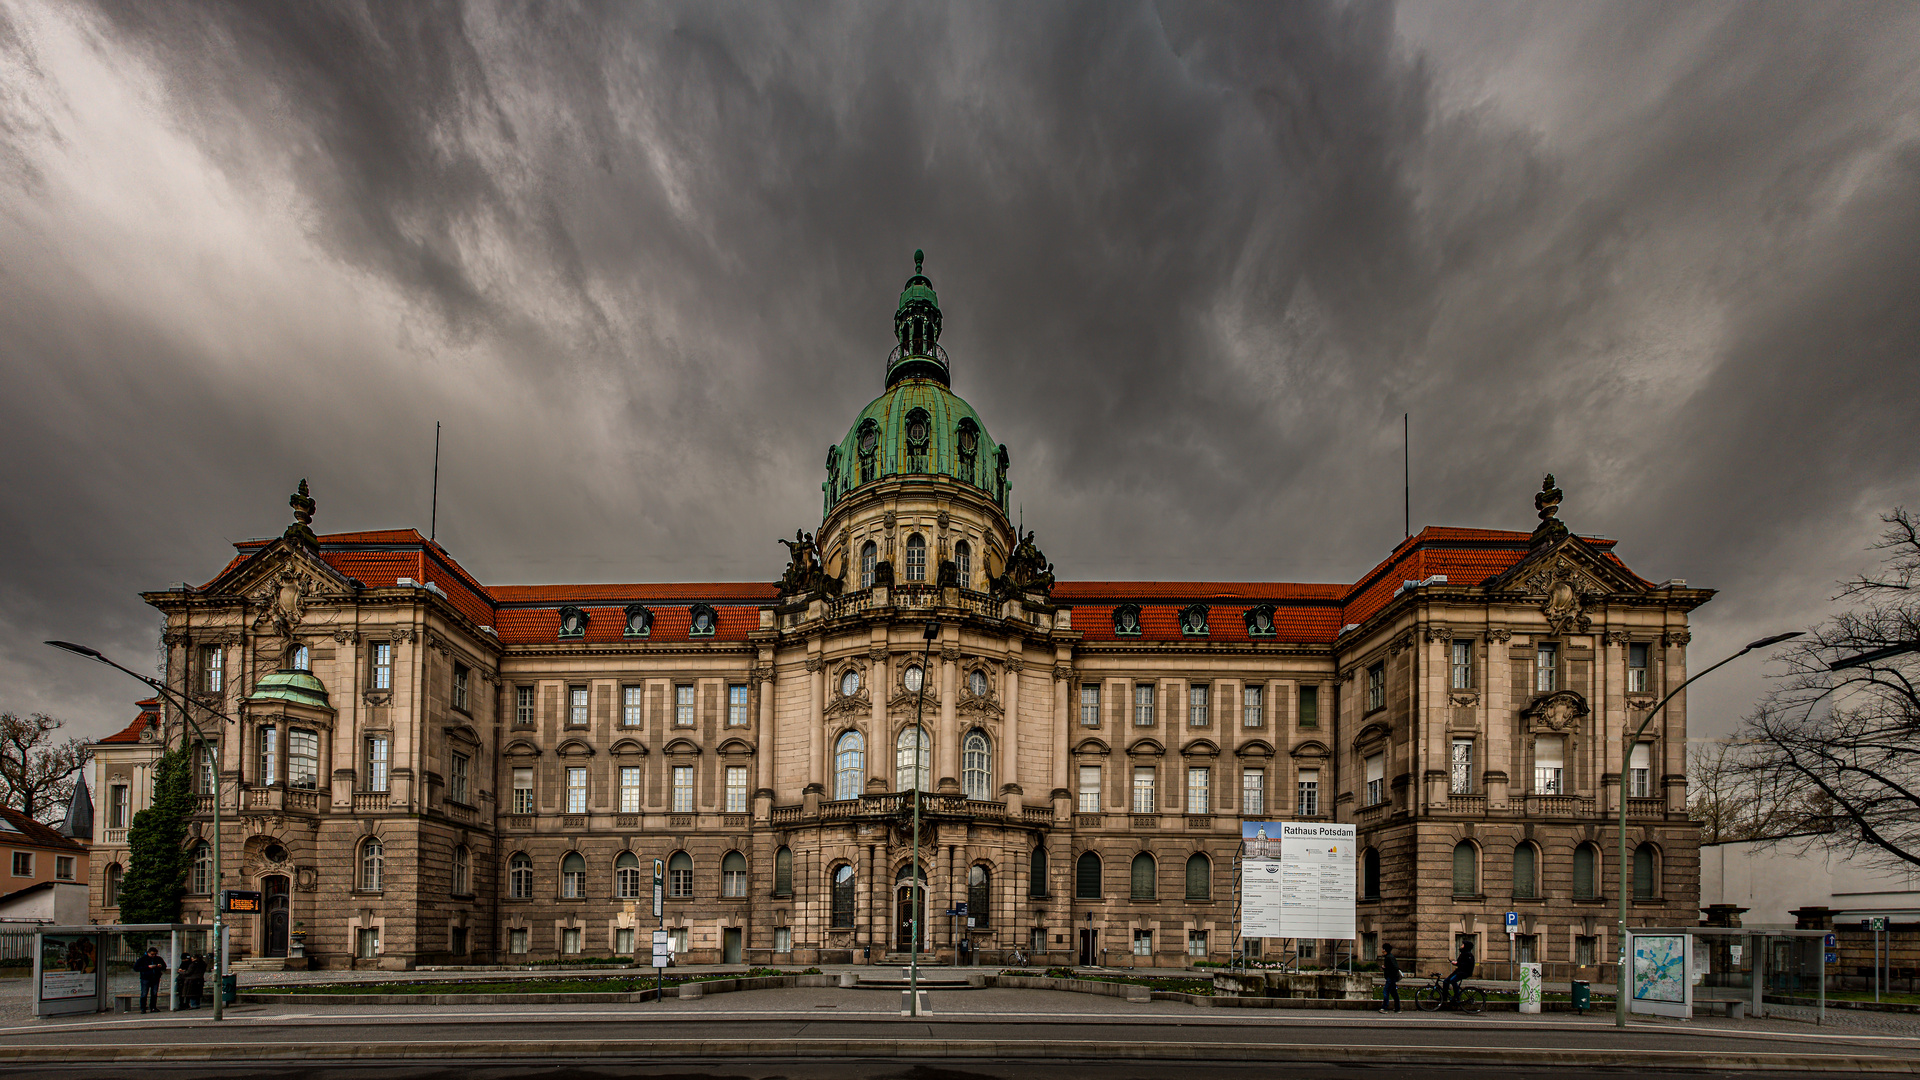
{"x":425,"y":769}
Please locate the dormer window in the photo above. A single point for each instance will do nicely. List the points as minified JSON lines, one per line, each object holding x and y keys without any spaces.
{"x":703,"y":621}
{"x":967,"y":441}
{"x":639,"y":621}
{"x":868,"y":444}
{"x":573,"y":623}
{"x":1126,"y":620}
{"x":1193,"y":620}
{"x":1260,"y":621}
{"x":918,"y":430}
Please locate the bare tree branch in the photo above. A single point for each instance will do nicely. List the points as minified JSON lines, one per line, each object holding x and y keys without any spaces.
{"x":37,"y":772}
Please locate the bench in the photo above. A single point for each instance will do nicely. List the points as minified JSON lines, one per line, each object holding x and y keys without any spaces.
{"x":127,"y":1003}
{"x":1732,"y":1009}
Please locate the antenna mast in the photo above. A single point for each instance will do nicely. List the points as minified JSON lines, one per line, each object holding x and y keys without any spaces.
{"x":433,"y":513}
{"x":1406,"y":469}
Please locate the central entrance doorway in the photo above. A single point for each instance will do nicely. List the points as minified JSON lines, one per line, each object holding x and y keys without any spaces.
{"x":1087,"y":939}
{"x":273,"y":903}
{"x":910,"y":909}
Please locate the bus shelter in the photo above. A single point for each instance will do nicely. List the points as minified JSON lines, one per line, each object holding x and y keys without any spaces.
{"x":81,"y":969}
{"x":1673,"y":969}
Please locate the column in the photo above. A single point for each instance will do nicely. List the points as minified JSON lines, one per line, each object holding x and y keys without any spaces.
{"x":1060,"y":752}
{"x":946,"y":738}
{"x":816,"y":719}
{"x":1009,"y":757}
{"x":764,"y":740}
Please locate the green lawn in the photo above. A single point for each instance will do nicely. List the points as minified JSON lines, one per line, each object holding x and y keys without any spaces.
{"x":575,"y":984}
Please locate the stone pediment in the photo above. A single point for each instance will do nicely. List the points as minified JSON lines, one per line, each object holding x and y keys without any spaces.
{"x":1145,"y":748}
{"x":1091,"y":746}
{"x":1254,"y":748}
{"x":575,"y":748}
{"x":520,"y":748}
{"x":1200,"y":748}
{"x":628,"y":746}
{"x":259,"y":573}
{"x":1312,"y":748}
{"x":1568,"y":579}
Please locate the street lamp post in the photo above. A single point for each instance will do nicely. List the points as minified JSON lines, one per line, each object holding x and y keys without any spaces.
{"x":180,"y":702}
{"x":1620,"y":989}
{"x":919,"y":778}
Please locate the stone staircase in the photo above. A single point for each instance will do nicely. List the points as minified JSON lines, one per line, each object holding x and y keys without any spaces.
{"x":268,"y":963}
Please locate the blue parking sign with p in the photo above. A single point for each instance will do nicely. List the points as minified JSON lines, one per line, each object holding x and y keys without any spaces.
{"x":1513,"y":921}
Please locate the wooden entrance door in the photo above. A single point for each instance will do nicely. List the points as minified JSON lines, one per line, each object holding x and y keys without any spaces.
{"x":1087,"y":939}
{"x":909,"y":901}
{"x":273,"y":902}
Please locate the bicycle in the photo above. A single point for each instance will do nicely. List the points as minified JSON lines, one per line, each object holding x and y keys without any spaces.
{"x":1433,"y":997}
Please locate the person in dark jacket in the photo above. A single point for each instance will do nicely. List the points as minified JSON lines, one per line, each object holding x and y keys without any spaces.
{"x":193,"y":980}
{"x":1391,"y":969}
{"x":1462,"y":969}
{"x":151,"y":968}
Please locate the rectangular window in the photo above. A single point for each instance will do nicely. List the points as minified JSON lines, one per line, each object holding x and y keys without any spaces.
{"x":1527,"y":946}
{"x":783,"y":939}
{"x":269,"y":755}
{"x":369,"y":942}
{"x":1143,"y":789}
{"x":736,"y":789}
{"x":523,"y":791}
{"x":1309,"y":706}
{"x":570,"y":940}
{"x":1583,"y":950}
{"x":1308,"y":787}
{"x":119,"y":804}
{"x":1089,"y":705}
{"x":677,"y":936}
{"x":683,"y":705}
{"x":1037,"y":942}
{"x":1143,"y":943}
{"x":576,"y":789}
{"x":1253,"y":792}
{"x":377,"y":763}
{"x":1199,"y":790}
{"x":63,"y":867}
{"x":208,"y":757}
{"x":733,"y":879}
{"x":1462,"y":664}
{"x":213,"y":668}
{"x":523,"y":706}
{"x":683,"y":789}
{"x":1640,"y":772}
{"x":459,"y":940}
{"x":1143,"y":705}
{"x":303,"y":758}
{"x":1548,"y":763}
{"x":1197,"y":943}
{"x":1253,"y":711}
{"x":629,"y":789}
{"x":460,"y":765}
{"x":1305,"y":948}
{"x":1460,"y":780}
{"x":623,"y":941}
{"x":737,"y":705}
{"x":1637,"y":667}
{"x":632,"y":710}
{"x":460,"y":674}
{"x":1197,"y":696}
{"x":1376,"y":766}
{"x":1089,"y":789}
{"x":1544,"y":656}
{"x":1376,"y":687}
{"x":517,"y":941}
{"x":383,"y":665}
{"x":576,"y":706}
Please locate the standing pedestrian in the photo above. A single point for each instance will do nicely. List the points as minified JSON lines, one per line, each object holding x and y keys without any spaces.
{"x":193,"y":980}
{"x":151,"y":968}
{"x":1391,"y":969}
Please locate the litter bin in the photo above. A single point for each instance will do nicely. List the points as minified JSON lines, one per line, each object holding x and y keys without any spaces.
{"x":230,"y":989}
{"x":1582,"y":995}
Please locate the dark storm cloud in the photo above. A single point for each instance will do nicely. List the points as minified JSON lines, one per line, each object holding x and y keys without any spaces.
{"x":1195,"y":261}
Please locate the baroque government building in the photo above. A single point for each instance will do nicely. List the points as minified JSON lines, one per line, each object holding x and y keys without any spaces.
{"x":423,"y":768}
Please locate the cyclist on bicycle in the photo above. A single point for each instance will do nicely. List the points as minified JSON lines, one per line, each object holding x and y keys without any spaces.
{"x":1462,"y":969}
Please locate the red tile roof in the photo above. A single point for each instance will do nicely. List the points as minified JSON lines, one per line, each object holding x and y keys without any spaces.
{"x":149,"y":717}
{"x":38,"y":834}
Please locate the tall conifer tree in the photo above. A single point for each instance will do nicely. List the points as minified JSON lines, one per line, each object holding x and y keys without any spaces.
{"x":157,"y":855}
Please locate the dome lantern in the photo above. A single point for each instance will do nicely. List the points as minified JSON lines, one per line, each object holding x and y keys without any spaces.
{"x":916,"y":331}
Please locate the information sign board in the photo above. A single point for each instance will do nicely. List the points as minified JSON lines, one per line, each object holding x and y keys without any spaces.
{"x":240,"y":902}
{"x":662,"y":950}
{"x":69,"y":967}
{"x":658,"y":890}
{"x":1879,"y":923}
{"x":1297,"y":880}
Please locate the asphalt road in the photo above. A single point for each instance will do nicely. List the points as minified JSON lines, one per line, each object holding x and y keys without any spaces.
{"x":856,"y":1070}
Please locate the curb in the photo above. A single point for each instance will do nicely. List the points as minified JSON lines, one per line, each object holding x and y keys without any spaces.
{"x":919,"y":1049}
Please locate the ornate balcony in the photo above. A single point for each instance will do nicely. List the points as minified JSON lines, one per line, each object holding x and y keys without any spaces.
{"x":1558,"y":806}
{"x":899,"y":805}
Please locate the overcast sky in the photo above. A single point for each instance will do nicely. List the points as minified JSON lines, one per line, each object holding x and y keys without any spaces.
{"x":1195,"y":262}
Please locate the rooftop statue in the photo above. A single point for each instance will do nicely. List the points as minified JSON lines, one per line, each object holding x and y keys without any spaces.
{"x":1027,"y":571}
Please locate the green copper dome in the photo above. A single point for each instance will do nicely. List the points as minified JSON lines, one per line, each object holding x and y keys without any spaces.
{"x":298,"y":687}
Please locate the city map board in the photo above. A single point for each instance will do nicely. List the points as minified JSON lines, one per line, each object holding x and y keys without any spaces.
{"x":1297,"y":880}
{"x":1660,"y":967}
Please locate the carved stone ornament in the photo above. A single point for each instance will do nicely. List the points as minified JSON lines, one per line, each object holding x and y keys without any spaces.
{"x":1466,"y":698}
{"x":346,"y":637}
{"x":378,"y":697}
{"x":1400,"y":644}
{"x":1564,"y":593}
{"x":1616,"y":637}
{"x":1438,"y":633}
{"x":763,"y":673}
{"x":944,"y":518}
{"x":1498,"y":636}
{"x":1014,"y":663}
{"x":877,"y":653}
{"x":404,"y":634}
{"x":1678,"y":639}
{"x":888,"y":519}
{"x":815,"y":663}
{"x":150,"y":733}
{"x":283,"y":600}
{"x":306,"y":879}
{"x":175,"y":637}
{"x":950,"y":652}
{"x":1559,"y":711}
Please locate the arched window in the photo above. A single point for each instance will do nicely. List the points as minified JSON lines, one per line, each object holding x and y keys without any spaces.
{"x":783,"y":872}
{"x":113,"y":884}
{"x":1144,"y":886}
{"x":963,"y":564}
{"x":843,"y":897}
{"x":520,"y":876}
{"x":976,"y":766}
{"x":1466,"y":869}
{"x":680,"y":874}
{"x":200,"y":877}
{"x":1526,"y":875}
{"x":916,"y":558}
{"x":373,"y":865}
{"x":1370,"y":874}
{"x":733,"y":876}
{"x":867,"y":443}
{"x":1586,"y":883}
{"x":849,"y":765}
{"x":910,"y":760}
{"x":979,"y":897}
{"x":626,"y":876}
{"x":462,"y":870}
{"x":1086,"y":877}
{"x":573,"y":876}
{"x":1037,"y":871}
{"x":868,"y":553}
{"x":1199,"y":877}
{"x":1645,"y":876}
